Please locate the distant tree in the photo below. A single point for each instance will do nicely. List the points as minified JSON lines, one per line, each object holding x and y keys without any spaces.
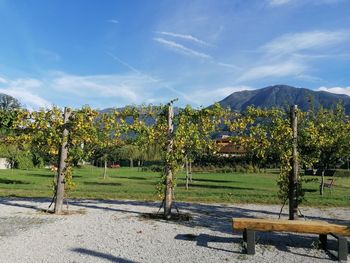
{"x":8,"y":102}
{"x":325,"y":138}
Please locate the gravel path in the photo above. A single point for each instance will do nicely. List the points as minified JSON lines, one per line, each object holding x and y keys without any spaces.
{"x":117,"y":231}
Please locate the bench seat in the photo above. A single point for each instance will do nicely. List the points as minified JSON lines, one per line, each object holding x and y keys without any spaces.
{"x":250,"y":225}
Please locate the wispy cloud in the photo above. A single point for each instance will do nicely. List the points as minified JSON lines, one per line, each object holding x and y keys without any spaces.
{"x":113,"y":21}
{"x":273,"y":70}
{"x":24,"y":91}
{"x":185,"y":37}
{"x":312,"y":40}
{"x":291,"y":55}
{"x":278,"y":2}
{"x":203,"y":96}
{"x":49,"y":55}
{"x":181,"y":48}
{"x":336,"y":90}
{"x":3,"y":80}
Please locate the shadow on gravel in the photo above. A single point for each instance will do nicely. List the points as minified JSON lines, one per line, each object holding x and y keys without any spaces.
{"x":211,"y":216}
{"x":202,"y":240}
{"x":97,"y":254}
{"x":17,"y":202}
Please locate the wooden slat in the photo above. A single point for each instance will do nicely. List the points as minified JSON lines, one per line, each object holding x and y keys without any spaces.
{"x":298,"y":226}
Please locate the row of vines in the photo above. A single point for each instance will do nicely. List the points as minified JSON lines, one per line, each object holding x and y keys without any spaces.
{"x":68,"y":136}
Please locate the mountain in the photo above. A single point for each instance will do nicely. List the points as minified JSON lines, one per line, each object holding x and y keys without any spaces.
{"x":282,"y":96}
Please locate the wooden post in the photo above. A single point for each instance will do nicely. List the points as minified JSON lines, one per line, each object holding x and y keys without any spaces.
{"x":168,"y":169}
{"x":190,"y":168}
{"x":187,"y":172}
{"x":105,"y":168}
{"x":62,"y":164}
{"x":293,"y":176}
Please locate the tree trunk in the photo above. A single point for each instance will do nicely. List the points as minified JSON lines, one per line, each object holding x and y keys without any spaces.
{"x":322,"y":182}
{"x":187,"y":173}
{"x":169,"y":169}
{"x":105,"y":169}
{"x":293,"y":176}
{"x":131,"y":162}
{"x":62,"y":166}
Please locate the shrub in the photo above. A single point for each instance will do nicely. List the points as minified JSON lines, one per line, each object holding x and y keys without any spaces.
{"x":23,"y":161}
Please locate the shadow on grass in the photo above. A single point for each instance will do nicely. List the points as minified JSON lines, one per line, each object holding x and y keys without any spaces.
{"x":102,"y":183}
{"x":130,"y":177}
{"x":50,"y":175}
{"x":216,"y":186}
{"x":310,"y":190}
{"x":9,"y":181}
{"x":101,"y":255}
{"x":208,"y":180}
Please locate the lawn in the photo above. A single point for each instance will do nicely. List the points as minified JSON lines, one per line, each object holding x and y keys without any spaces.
{"x":127,"y":183}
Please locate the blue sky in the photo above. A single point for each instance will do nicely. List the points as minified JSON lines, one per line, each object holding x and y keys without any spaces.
{"x":114,"y":53}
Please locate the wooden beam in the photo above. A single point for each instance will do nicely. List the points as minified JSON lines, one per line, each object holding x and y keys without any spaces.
{"x":310,"y":227}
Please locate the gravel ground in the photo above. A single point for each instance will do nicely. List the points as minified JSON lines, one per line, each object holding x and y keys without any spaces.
{"x":118,"y":231}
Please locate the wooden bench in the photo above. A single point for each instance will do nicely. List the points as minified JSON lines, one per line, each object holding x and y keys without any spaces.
{"x":250,"y":225}
{"x":329,"y":184}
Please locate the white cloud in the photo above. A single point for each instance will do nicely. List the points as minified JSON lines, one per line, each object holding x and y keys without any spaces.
{"x":127,"y":87}
{"x":113,"y":21}
{"x":182,"y":49}
{"x":311,"y":41}
{"x":48,"y":55}
{"x":336,"y":90}
{"x":24,"y":91}
{"x":185,"y":37}
{"x":278,"y":2}
{"x":273,"y":70}
{"x":203,"y":96}
{"x":3,"y":80}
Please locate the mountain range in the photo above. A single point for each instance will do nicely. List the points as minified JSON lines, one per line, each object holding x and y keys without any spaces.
{"x":282,"y":96}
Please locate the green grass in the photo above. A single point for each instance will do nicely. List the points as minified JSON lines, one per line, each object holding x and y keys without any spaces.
{"x":126,"y":183}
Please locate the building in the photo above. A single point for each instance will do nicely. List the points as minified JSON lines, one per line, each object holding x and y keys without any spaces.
{"x":227,"y":148}
{"x":4,"y":163}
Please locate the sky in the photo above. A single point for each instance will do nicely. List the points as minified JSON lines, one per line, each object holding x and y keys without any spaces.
{"x":115,"y":53}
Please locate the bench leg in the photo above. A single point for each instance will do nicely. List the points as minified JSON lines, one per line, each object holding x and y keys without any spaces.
{"x":323,"y":240}
{"x":342,"y":249}
{"x":249,"y":237}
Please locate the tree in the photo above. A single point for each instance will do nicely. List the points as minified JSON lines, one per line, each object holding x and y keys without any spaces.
{"x":177,"y":135}
{"x":325,"y":138}
{"x":43,"y":131}
{"x":8,"y":102}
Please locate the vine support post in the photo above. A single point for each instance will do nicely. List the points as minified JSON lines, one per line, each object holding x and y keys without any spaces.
{"x":187,"y":172}
{"x":105,"y":168}
{"x":62,"y":165}
{"x":168,"y":168}
{"x":190,"y":170}
{"x":293,"y":176}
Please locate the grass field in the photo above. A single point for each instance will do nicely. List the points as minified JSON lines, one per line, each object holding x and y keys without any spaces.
{"x":127,"y":183}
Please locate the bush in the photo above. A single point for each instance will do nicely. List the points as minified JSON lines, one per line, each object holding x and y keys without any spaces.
{"x":152,"y":168}
{"x":23,"y":161}
{"x":342,"y":173}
